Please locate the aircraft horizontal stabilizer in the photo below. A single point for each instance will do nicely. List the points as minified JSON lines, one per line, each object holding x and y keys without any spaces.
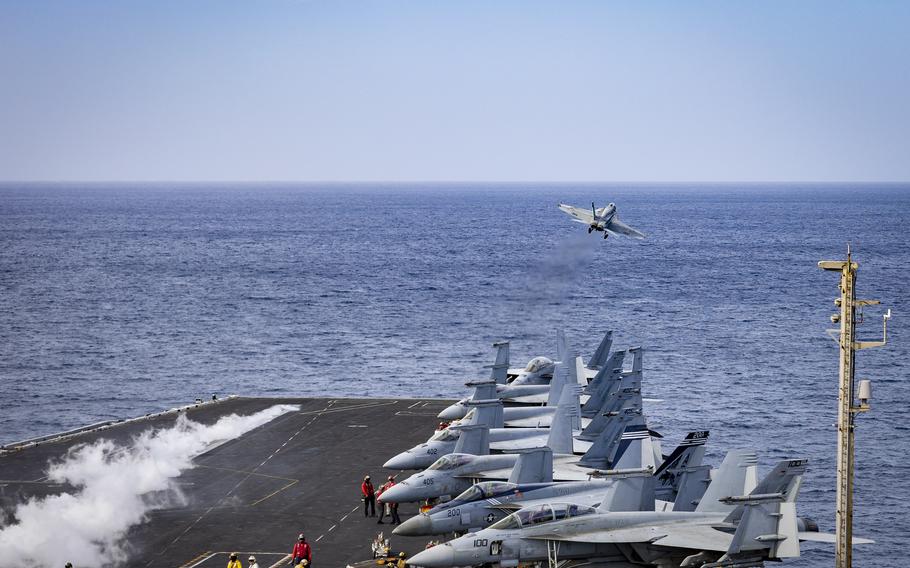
{"x":814,"y":536}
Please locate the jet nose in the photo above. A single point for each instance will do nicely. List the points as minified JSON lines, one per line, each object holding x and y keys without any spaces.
{"x":418,"y":525}
{"x":439,"y":556}
{"x":404,"y":460}
{"x":395,"y":493}
{"x":454,"y":412}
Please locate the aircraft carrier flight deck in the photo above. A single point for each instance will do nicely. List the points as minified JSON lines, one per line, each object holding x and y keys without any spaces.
{"x":299,"y":473}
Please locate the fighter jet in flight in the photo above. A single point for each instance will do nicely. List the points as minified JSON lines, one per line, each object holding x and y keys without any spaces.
{"x":604,"y":220}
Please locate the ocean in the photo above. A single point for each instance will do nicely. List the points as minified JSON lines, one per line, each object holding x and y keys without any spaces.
{"x":123,"y":299}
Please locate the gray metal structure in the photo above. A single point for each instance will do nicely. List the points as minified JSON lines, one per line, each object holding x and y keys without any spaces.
{"x":847,"y":407}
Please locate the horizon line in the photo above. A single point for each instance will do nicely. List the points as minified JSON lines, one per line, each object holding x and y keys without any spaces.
{"x":457,"y":182}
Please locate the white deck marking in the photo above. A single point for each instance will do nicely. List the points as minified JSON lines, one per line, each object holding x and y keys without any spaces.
{"x":201,"y":561}
{"x":319,"y":537}
{"x":332,"y":528}
{"x":282,"y":561}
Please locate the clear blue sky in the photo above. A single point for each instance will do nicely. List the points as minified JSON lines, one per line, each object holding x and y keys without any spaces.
{"x":526,"y":91}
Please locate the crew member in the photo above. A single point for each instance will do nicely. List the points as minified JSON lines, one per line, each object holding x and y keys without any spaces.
{"x":368,"y":494}
{"x":253,"y":563}
{"x":234,"y":562}
{"x":392,"y":508}
{"x":402,"y":563}
{"x":301,"y":551}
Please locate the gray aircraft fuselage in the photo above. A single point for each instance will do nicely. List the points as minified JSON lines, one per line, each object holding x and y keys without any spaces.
{"x":482,"y":505}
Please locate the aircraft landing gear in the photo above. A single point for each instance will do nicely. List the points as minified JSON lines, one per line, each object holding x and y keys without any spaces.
{"x":590,"y":229}
{"x":606,"y":234}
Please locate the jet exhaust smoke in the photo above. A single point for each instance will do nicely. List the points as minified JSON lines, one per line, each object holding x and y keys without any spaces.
{"x":115,"y":486}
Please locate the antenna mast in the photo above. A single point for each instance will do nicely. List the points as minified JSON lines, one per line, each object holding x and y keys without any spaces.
{"x":847,"y":409}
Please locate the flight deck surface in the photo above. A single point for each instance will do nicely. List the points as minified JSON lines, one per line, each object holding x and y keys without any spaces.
{"x":299,"y":473}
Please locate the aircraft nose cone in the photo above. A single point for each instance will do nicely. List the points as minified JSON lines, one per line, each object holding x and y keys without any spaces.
{"x":401,"y":461}
{"x":454,"y":412}
{"x":395,"y":493}
{"x":439,"y":556}
{"x":419,"y":525}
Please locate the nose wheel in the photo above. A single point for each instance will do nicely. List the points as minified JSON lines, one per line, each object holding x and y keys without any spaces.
{"x":590,"y":229}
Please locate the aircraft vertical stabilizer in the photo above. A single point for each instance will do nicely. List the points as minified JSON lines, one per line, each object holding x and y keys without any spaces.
{"x":767,"y":516}
{"x":629,"y":492}
{"x":560,"y":437}
{"x":486,"y":412}
{"x":473,"y":439}
{"x":500,"y":367}
{"x":693,"y":483}
{"x":689,"y":453}
{"x":635,"y":450}
{"x":604,"y":382}
{"x":533,"y":466}
{"x":729,"y":479}
{"x":599,"y":358}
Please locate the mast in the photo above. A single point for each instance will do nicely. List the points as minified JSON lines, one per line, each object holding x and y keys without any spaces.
{"x":847,"y":409}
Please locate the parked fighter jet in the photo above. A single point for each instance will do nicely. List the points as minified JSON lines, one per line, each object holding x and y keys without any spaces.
{"x":489,"y":501}
{"x":604,"y":219}
{"x":736,"y":531}
{"x":452,"y":474}
{"x":531,"y":386}
{"x":516,"y":428}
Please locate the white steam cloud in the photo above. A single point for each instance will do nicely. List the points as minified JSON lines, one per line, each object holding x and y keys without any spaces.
{"x":115,"y":487}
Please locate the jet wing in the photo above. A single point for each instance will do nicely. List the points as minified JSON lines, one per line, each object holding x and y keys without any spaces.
{"x":539,"y":422}
{"x":696,"y":537}
{"x":581,"y":215}
{"x":538,"y":399}
{"x":537,"y":441}
{"x":618,"y":227}
{"x":699,"y":537}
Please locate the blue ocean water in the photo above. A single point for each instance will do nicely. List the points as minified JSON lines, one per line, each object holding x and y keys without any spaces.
{"x":121,"y":299}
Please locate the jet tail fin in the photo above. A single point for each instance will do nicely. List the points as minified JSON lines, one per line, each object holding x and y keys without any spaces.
{"x":500,"y":367}
{"x":630,"y":492}
{"x":690,"y":452}
{"x":483,"y":390}
{"x":534,"y":465}
{"x":604,"y":447}
{"x":560,"y":438}
{"x":487,"y":412}
{"x":767,"y":516}
{"x":473,"y":439}
{"x":599,"y":358}
{"x":735,"y":476}
{"x":693,"y":482}
{"x":635,"y":449}
{"x":604,"y":382}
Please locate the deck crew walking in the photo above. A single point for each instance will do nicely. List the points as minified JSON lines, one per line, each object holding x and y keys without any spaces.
{"x":301,"y":552}
{"x":368,"y":494}
{"x":234,"y":562}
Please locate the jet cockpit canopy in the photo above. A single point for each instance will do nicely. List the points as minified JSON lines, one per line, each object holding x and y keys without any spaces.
{"x":450,"y":461}
{"x":538,"y":514}
{"x":539,"y":365}
{"x":484,"y":490}
{"x":444,"y":435}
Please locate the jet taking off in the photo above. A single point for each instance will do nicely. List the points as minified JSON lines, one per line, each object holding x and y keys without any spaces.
{"x":604,"y":219}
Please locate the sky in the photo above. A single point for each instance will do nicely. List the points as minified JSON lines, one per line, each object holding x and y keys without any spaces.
{"x":298,"y":90}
